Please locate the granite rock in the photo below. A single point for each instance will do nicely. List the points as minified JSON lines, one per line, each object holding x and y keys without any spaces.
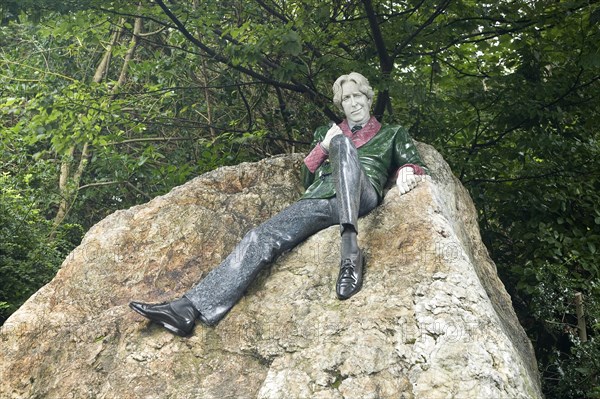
{"x":433,"y":319}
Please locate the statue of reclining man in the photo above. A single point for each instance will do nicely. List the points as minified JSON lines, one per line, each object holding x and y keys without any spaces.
{"x":344,"y":176}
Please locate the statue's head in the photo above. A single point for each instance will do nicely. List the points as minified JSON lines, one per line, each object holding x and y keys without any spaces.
{"x":353,"y":95}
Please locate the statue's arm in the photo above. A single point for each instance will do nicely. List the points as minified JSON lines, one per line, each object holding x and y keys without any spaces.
{"x":406,"y":154}
{"x":411,"y":168}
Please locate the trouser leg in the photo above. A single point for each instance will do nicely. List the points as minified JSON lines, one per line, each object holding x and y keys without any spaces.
{"x":355,"y":194}
{"x":216,"y":294}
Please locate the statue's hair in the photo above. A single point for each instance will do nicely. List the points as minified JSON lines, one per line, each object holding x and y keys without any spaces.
{"x":363,"y":86}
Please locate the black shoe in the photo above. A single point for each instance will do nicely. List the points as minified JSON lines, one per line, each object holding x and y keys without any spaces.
{"x":178,"y":317}
{"x":351,"y":276}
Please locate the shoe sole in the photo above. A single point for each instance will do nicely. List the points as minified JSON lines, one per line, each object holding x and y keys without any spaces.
{"x":174,"y":329}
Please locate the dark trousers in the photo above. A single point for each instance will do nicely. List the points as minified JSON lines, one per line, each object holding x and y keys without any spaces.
{"x":216,"y":293}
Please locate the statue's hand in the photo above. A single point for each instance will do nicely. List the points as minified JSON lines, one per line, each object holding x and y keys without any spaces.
{"x":331,"y":133}
{"x":407,"y":180}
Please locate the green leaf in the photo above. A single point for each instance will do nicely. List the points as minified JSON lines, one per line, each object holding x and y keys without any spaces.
{"x":290,"y":43}
{"x":591,"y":247}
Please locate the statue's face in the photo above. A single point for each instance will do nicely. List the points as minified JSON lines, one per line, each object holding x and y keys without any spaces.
{"x":355,"y":104}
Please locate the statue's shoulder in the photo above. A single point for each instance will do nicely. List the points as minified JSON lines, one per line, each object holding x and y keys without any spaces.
{"x":393,"y":129}
{"x":392,"y":126}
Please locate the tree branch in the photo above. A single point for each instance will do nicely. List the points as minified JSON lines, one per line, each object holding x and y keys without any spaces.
{"x":103,"y":183}
{"x":520,"y":178}
{"x":220,"y":58}
{"x":439,"y":10}
{"x":151,"y":139}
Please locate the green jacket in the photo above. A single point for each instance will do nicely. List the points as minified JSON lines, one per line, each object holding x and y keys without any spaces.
{"x":382,"y":150}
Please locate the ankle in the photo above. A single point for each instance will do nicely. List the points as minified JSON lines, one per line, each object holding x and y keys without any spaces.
{"x":349,"y":241}
{"x":184,"y":305}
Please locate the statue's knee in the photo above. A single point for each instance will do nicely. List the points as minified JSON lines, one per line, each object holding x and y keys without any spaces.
{"x":340,"y":139}
{"x":341,"y":144}
{"x":260,"y":237}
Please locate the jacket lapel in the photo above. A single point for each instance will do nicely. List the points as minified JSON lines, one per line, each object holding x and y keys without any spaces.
{"x":364,"y":135}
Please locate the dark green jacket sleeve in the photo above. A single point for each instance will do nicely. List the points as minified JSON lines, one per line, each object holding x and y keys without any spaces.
{"x":405,"y":152}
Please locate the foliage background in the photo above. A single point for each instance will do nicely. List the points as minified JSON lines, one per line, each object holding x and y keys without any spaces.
{"x":104,"y":105}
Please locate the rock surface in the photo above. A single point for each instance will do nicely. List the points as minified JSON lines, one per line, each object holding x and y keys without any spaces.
{"x":432,"y":320}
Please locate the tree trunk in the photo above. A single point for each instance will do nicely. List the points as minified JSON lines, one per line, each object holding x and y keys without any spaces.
{"x":102,"y":68}
{"x":209,"y":114}
{"x":63,"y":183}
{"x":137,"y":30}
{"x":386,"y":63}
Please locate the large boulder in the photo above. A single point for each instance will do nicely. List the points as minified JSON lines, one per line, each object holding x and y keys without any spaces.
{"x":433,"y":320}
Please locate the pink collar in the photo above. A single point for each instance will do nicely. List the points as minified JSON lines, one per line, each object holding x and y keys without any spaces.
{"x":365,"y":134}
